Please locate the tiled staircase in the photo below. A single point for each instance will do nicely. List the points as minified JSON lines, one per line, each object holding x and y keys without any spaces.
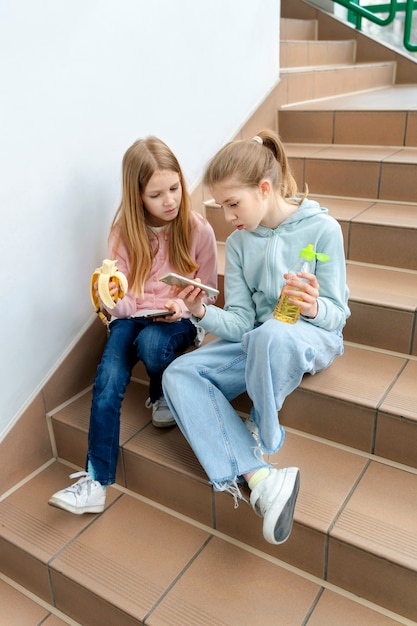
{"x":167,"y":550}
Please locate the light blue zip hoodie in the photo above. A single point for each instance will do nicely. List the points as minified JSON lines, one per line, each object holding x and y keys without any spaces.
{"x":256,"y":261}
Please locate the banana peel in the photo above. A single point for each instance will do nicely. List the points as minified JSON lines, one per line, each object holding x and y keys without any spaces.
{"x":103,"y":276}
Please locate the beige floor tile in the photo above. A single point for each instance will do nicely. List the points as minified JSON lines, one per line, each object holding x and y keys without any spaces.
{"x":127,"y":564}
{"x":33,"y":532}
{"x":330,"y":417}
{"x":294,"y":54}
{"x":304,"y":126}
{"x":19,"y":610}
{"x":342,"y":177}
{"x":335,"y":610}
{"x":236,"y":579}
{"x":381,"y":515}
{"x":53,"y":620}
{"x":71,"y":424}
{"x":396,"y":438}
{"x":383,"y":286}
{"x":354,"y":153}
{"x":403,"y":155}
{"x":343,"y":209}
{"x":387,"y":328}
{"x":78,"y":369}
{"x":411,"y":138}
{"x":33,"y":450}
{"x":305,"y":150}
{"x":159,"y":464}
{"x":300,"y":86}
{"x":398,"y":181}
{"x":370,"y":127}
{"x":134,"y":415}
{"x":327,"y":476}
{"x":168,"y":447}
{"x":389,"y":214}
{"x":293,"y":29}
{"x":375,"y":538}
{"x":401,"y":399}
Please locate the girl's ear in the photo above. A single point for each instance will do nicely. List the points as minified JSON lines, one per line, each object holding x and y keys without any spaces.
{"x":265,"y":187}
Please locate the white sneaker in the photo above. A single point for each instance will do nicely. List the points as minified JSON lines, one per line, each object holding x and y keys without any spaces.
{"x":84,"y":496}
{"x":161,"y":414}
{"x":274,"y":499}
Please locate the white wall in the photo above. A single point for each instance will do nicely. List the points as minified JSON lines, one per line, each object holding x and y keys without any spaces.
{"x":80,"y":81}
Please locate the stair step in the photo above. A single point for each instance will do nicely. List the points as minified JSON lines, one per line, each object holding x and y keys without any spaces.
{"x":316,"y":53}
{"x":358,"y":386}
{"x":359,"y":127}
{"x":383,"y":304}
{"x":96,"y":575}
{"x":342,"y":514}
{"x":382,"y":172}
{"x":293,"y":29}
{"x":366,"y":400}
{"x":304,"y":84}
{"x":377,"y":232}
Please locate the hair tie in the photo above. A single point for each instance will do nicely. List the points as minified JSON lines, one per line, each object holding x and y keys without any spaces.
{"x":258,"y":139}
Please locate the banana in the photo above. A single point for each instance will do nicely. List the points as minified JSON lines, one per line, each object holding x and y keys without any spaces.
{"x":103,"y":275}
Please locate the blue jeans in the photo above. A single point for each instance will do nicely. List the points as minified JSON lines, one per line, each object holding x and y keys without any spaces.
{"x":130,"y":340}
{"x":269,"y":364}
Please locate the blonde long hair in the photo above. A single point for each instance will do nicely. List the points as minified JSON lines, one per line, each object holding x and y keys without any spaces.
{"x":251,"y":160}
{"x":140,"y":162}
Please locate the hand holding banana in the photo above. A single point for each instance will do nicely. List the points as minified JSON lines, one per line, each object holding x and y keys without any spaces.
{"x":108,"y":285}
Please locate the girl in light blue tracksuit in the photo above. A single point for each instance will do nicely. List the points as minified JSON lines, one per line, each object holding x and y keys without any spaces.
{"x":256,"y":353}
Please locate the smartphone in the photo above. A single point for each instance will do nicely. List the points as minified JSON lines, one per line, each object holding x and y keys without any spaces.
{"x":182,"y":281}
{"x":162,"y":313}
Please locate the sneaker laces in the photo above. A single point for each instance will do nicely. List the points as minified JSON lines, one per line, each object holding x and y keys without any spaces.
{"x":85,"y":479}
{"x":254,"y":431}
{"x":148,"y":403}
{"x":158,"y":404}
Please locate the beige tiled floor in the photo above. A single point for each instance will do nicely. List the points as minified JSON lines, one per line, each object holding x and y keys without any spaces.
{"x":107,"y":569}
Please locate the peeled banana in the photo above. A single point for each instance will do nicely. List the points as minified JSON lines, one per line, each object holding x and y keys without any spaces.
{"x":104,"y":275}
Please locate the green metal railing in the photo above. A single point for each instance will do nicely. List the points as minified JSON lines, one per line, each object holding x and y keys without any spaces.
{"x":393,"y":9}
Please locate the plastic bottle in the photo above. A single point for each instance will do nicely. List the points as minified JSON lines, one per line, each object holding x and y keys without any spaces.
{"x":284,"y":310}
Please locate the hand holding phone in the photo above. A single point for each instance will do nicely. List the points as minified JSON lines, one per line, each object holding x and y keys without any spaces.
{"x":182,"y":281}
{"x":162,"y":313}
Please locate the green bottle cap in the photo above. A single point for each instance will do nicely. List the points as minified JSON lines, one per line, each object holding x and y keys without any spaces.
{"x":309,"y":254}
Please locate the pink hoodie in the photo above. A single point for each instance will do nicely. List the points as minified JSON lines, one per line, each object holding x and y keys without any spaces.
{"x":203,"y":251}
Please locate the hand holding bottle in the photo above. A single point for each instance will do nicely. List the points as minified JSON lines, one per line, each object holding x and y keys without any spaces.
{"x":302,"y":291}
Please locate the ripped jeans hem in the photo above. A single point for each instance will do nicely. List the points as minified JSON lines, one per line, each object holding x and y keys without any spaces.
{"x":231,"y":486}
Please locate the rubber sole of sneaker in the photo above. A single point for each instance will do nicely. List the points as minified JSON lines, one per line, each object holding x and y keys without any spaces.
{"x":164,"y":424}
{"x":279,"y":531}
{"x":97,"y":508}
